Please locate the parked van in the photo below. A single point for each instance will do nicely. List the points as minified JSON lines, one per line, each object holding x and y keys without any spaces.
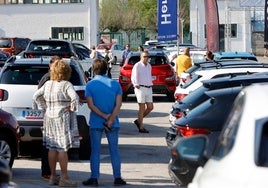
{"x":13,"y":45}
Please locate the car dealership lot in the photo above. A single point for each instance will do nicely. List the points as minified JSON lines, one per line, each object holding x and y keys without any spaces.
{"x":144,"y":157}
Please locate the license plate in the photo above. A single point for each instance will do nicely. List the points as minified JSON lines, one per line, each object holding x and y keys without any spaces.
{"x":153,"y":77}
{"x":33,"y":114}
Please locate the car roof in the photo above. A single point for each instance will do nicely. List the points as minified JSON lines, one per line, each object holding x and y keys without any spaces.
{"x":232,"y":55}
{"x":151,"y":53}
{"x":232,"y":79}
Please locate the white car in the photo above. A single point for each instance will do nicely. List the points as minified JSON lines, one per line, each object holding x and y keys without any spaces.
{"x":19,"y":80}
{"x":198,"y":76}
{"x":240,"y":158}
{"x":116,"y":49}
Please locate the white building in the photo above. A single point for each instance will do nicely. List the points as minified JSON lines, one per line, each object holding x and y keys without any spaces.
{"x":76,"y":20}
{"x":234,"y":20}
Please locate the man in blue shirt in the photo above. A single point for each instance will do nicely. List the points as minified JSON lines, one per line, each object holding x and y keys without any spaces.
{"x":104,"y":98}
{"x":124,"y":54}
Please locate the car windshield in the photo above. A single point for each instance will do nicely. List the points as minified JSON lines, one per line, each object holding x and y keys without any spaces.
{"x":5,"y":43}
{"x":153,"y":60}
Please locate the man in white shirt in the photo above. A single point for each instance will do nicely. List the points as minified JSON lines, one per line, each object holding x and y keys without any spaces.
{"x":141,"y":79}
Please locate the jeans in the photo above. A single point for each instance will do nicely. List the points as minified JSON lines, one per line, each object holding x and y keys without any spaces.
{"x":112,"y":136}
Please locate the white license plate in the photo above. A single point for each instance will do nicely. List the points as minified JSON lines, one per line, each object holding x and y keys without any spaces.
{"x":33,"y":114}
{"x":153,"y":77}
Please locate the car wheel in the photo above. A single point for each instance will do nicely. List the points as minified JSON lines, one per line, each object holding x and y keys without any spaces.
{"x":85,"y":148}
{"x":171,"y":97}
{"x":124,"y":97}
{"x":7,"y":149}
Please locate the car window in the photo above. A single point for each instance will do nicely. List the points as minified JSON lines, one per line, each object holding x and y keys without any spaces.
{"x":153,"y":60}
{"x":26,"y":75}
{"x":21,"y":43}
{"x":227,"y":137}
{"x":5,"y":43}
{"x":31,"y":75}
{"x":262,"y":151}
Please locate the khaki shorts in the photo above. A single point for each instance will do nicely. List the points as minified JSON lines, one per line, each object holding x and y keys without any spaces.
{"x":144,"y":94}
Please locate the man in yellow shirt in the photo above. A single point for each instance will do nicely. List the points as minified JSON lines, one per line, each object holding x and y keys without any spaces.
{"x":183,"y":62}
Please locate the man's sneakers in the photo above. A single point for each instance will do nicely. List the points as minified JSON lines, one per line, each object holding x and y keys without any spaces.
{"x":93,"y":182}
{"x":143,"y":130}
{"x":119,"y":182}
{"x":137,"y":123}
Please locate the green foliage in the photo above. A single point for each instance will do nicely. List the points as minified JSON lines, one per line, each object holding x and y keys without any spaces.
{"x":131,"y":15}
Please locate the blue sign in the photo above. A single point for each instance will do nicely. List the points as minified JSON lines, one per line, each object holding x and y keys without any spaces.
{"x":167,"y":20}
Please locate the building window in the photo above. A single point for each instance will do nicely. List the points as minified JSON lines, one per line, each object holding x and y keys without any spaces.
{"x":69,"y":33}
{"x":231,"y":30}
{"x":2,"y":2}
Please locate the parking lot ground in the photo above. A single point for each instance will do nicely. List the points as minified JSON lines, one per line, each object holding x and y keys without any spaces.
{"x":144,"y":157}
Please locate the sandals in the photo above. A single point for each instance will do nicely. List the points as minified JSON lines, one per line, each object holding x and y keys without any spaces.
{"x":54,"y":180}
{"x":67,"y":183}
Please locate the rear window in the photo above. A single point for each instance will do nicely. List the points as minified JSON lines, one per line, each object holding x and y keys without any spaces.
{"x":153,"y":60}
{"x":31,"y":75}
{"x":49,"y":47}
{"x":5,"y":43}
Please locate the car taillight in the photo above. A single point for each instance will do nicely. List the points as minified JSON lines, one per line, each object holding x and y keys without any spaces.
{"x":81,"y":94}
{"x":178,"y":114}
{"x":188,"y":131}
{"x":3,"y":95}
{"x":174,"y":152}
{"x":179,"y":96}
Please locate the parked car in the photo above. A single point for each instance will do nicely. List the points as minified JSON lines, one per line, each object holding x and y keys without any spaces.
{"x":240,"y":158}
{"x":198,"y":76}
{"x":208,"y":119}
{"x":9,"y":137}
{"x":164,"y":79}
{"x":115,"y":48}
{"x":46,"y":48}
{"x":49,"y":47}
{"x":3,"y":57}
{"x":234,"y":55}
{"x":13,"y":45}
{"x":197,"y":96}
{"x":215,"y":64}
{"x":19,"y":79}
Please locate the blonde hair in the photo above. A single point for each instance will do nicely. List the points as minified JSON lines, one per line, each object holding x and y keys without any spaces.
{"x":60,"y":70}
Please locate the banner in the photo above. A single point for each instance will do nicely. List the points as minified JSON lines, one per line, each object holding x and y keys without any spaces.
{"x":266,"y":24}
{"x":167,"y":20}
{"x":212,"y":25}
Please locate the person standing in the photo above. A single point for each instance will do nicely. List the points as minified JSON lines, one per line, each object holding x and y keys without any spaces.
{"x":124,"y":54}
{"x":141,"y":79}
{"x":209,"y":56}
{"x":59,"y":101}
{"x":103,"y":118}
{"x":93,"y":54}
{"x":183,"y":62}
{"x":45,"y":170}
{"x":140,"y":48}
{"x":108,"y":58}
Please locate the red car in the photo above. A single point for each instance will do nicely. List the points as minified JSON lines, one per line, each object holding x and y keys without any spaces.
{"x":163,"y":74}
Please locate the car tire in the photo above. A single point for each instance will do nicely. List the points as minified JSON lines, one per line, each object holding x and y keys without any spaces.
{"x":7,"y":149}
{"x":171,"y":97}
{"x":124,"y":97}
{"x":85,"y":148}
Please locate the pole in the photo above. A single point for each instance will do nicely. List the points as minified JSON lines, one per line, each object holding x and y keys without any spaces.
{"x":178,"y":26}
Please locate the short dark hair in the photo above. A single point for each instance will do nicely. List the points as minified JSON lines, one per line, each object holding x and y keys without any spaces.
{"x":99,"y":67}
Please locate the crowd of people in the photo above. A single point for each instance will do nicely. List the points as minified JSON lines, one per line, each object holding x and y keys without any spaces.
{"x":57,"y":97}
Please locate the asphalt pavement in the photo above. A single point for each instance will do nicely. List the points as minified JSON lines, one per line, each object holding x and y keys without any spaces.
{"x":144,"y":157}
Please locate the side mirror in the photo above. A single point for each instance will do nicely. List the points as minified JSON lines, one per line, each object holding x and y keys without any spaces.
{"x":172,"y":63}
{"x":193,"y":148}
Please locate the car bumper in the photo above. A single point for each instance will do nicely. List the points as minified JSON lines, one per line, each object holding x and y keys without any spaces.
{"x":171,"y":136}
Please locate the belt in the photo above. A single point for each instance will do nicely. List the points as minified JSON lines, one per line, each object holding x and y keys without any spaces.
{"x":146,"y":86}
